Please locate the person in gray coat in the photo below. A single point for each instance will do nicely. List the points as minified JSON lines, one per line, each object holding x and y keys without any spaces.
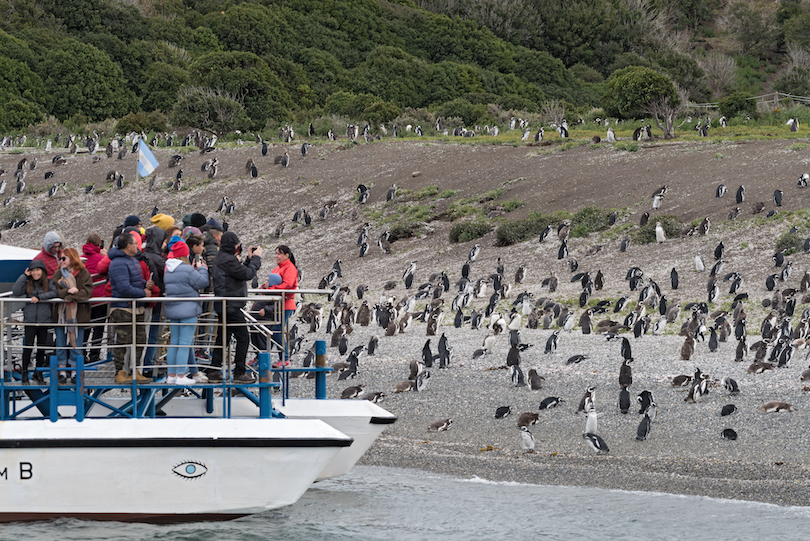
{"x":35,"y":285}
{"x":181,"y":279}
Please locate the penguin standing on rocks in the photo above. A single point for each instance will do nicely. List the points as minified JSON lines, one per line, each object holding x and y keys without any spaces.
{"x":527,"y":441}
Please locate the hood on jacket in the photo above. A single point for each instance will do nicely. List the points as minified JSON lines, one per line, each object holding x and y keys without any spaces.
{"x":172,"y":264}
{"x":228,"y":242}
{"x":37,"y":264}
{"x":90,"y":249}
{"x":115,"y":252}
{"x":154,"y":240}
{"x":51,"y":238}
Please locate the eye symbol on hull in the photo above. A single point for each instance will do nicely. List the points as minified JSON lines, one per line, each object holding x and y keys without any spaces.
{"x":190,"y":470}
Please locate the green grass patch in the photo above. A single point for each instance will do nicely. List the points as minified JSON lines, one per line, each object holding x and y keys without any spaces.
{"x":672,"y":227}
{"x":446,"y":194}
{"x":796,"y":147}
{"x":491,"y":195}
{"x":629,"y":146}
{"x":514,"y":231}
{"x":513,"y":204}
{"x":418,"y":195}
{"x":405,"y":230}
{"x":589,"y":219}
{"x":469,"y":230}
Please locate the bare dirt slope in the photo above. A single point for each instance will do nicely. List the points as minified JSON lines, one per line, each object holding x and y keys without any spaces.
{"x":546,"y":178}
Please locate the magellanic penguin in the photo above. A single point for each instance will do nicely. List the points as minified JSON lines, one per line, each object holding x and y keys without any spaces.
{"x":442,"y":425}
{"x":624,"y":400}
{"x":643,"y":430}
{"x":597,"y":443}
{"x":527,"y":418}
{"x":776,"y":406}
{"x":588,"y":401}
{"x":526,"y":440}
{"x":591,"y":422}
{"x":535,"y":380}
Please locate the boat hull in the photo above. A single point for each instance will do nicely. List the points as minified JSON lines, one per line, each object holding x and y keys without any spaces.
{"x":159,"y":470}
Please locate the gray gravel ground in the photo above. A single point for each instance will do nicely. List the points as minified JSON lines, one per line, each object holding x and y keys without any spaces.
{"x":684,"y":453}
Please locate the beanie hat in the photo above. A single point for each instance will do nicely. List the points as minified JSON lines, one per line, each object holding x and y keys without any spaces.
{"x":132,"y":221}
{"x":179,"y":249}
{"x":186,"y":220}
{"x":196,"y":220}
{"x":213,"y":223}
{"x":172,"y":240}
{"x":163,"y":221}
{"x":190,"y":230}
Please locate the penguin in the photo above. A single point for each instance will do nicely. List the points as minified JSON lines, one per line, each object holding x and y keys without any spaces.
{"x":803,"y":180}
{"x":517,"y":377}
{"x":550,"y":402}
{"x":643,"y":431}
{"x":588,"y":400}
{"x":624,"y":400}
{"x":527,"y":441}
{"x":728,"y":434}
{"x":562,"y":253}
{"x":625,"y":350}
{"x":728,"y":409}
{"x":777,"y":197}
{"x":441,"y":426}
{"x":721,"y":191}
{"x":699,"y":266}
{"x":373,"y":343}
{"x":527,"y":418}
{"x":591,"y":422}
{"x":535,"y":380}
{"x":596,"y":443}
{"x":660,"y":235}
{"x":551,"y":343}
{"x":776,"y":406}
{"x":503,"y":411}
{"x":645,"y":401}
{"x":625,"y":374}
{"x":740,"y":197}
{"x":351,"y":392}
{"x":730,"y":385}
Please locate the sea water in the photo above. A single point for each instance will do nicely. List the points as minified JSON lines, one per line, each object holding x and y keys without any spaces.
{"x":375,"y":503}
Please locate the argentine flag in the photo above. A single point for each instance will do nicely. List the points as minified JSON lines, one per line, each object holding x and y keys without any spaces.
{"x":146,"y":160}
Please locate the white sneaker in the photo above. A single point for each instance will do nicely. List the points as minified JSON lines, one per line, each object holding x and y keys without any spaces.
{"x":199,"y":377}
{"x":171,"y":380}
{"x":183,"y":380}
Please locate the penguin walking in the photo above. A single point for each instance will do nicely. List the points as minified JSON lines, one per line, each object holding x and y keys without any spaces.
{"x":596,"y":443}
{"x":643,"y":430}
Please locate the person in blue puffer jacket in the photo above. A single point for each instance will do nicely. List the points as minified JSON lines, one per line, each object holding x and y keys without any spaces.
{"x":182,"y":279}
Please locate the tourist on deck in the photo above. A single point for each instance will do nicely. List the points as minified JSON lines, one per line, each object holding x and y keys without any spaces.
{"x":93,"y":253}
{"x":285,"y":261}
{"x":230,"y":280}
{"x":155,"y":238}
{"x":34,"y":285}
{"x":75,"y":285}
{"x":183,"y":279}
{"x":127,"y":281}
{"x":51,"y":251}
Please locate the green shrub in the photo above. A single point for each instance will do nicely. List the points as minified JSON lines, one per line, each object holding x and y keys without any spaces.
{"x":416,"y":195}
{"x":466,"y":231}
{"x":790,"y":243}
{"x":515,"y":231}
{"x":672,"y":227}
{"x":588,"y":220}
{"x":446,"y":194}
{"x":491,"y":195}
{"x":13,"y":212}
{"x":626,"y":145}
{"x":405,"y":230}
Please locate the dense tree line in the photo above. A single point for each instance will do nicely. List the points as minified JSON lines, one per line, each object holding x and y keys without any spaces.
{"x":266,"y":62}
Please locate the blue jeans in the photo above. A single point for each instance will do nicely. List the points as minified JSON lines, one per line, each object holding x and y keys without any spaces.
{"x":182,"y":335}
{"x":61,"y":341}
{"x":277,"y":335}
{"x":152,"y":336}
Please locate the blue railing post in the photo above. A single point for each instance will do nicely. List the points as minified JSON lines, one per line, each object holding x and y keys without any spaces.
{"x":265,"y":376}
{"x":79,"y":388}
{"x":53,"y":399}
{"x":320,"y":362}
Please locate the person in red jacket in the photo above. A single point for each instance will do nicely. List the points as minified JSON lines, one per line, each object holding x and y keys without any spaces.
{"x":51,"y":251}
{"x":285,"y":267}
{"x":93,"y":253}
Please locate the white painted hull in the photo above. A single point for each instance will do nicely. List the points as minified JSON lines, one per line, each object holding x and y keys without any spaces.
{"x":361,"y":420}
{"x":159,"y":470}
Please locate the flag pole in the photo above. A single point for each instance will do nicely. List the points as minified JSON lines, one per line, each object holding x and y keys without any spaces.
{"x":137,"y":184}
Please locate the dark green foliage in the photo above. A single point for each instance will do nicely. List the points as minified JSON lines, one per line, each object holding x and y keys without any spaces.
{"x":672,"y":227}
{"x":405,"y":230}
{"x":467,"y":231}
{"x":208,"y":109}
{"x":161,"y":85}
{"x":790,"y":243}
{"x":631,"y":88}
{"x":515,"y":231}
{"x":588,"y":220}
{"x":16,"y":114}
{"x":79,"y":78}
{"x":142,"y":122}
{"x":461,"y":108}
{"x":248,"y":79}
{"x":738,"y":103}
{"x":795,"y":81}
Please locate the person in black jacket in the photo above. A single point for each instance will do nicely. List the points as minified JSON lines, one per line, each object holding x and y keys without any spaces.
{"x":230,"y":277}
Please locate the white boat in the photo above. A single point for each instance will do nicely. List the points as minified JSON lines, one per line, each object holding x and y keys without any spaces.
{"x":360,"y":420}
{"x":159,"y":470}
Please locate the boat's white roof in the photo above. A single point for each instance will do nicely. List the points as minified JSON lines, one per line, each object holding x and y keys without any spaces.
{"x":16,"y":252}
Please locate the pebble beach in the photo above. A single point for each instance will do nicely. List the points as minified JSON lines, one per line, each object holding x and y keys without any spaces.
{"x":684,"y":453}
